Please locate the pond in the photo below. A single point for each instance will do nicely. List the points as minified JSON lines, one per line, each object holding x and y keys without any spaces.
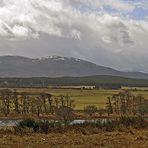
{"x":83,"y":121}
{"x":9,"y":122}
{"x":15,"y":122}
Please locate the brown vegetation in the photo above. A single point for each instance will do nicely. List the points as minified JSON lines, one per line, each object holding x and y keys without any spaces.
{"x":129,"y":138}
{"x":128,"y":130}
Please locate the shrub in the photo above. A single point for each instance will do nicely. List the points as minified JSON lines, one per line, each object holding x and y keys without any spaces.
{"x":6,"y":130}
{"x":90,"y":109}
{"x":42,"y":126}
{"x":109,"y":126}
{"x":136,"y":122}
{"x":27,"y":123}
{"x":65,"y":114}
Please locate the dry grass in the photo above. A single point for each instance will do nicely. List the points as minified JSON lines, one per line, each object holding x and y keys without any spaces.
{"x":127,"y":139}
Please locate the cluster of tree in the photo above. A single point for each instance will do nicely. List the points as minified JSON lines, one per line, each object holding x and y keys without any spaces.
{"x":126,"y":103}
{"x":121,"y":104}
{"x":13,"y":102}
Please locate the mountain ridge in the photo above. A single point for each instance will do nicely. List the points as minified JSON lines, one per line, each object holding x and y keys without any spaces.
{"x":57,"y":66}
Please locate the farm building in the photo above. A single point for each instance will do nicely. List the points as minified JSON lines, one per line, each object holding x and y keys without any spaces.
{"x":73,"y":87}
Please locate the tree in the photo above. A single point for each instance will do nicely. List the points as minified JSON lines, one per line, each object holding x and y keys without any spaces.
{"x":38,"y":105}
{"x":109,"y":107}
{"x":6,"y":96}
{"x":69,"y":102}
{"x":16,"y":102}
{"x":44,"y":99}
{"x":51,"y":104}
{"x":126,"y":103}
{"x":64,"y":109}
{"x":25,"y":105}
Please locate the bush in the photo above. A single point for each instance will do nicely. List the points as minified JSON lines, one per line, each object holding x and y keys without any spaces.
{"x":6,"y":130}
{"x":136,"y":122}
{"x":90,"y":109}
{"x":109,"y":126}
{"x":65,"y":114}
{"x":42,"y":126}
{"x":30,"y":123}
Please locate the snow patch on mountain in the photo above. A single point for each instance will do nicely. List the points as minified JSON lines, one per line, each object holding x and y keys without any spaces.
{"x":59,"y":58}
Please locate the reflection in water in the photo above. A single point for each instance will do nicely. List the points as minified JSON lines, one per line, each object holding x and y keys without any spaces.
{"x":9,"y":122}
{"x":15,"y":122}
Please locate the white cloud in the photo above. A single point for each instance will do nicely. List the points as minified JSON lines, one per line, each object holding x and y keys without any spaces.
{"x":29,"y":18}
{"x":54,"y":17}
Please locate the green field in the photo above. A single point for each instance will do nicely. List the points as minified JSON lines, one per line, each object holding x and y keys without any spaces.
{"x":82,"y":97}
{"x":86,"y":97}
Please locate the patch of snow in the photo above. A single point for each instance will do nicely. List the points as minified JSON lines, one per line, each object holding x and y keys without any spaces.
{"x":60,"y":59}
{"x":75,"y":59}
{"x":78,"y":60}
{"x":53,"y":57}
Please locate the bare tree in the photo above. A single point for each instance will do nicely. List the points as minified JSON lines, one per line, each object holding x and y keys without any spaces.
{"x":16,"y":101}
{"x":64,"y":109}
{"x":6,"y":97}
{"x":51,"y":104}
{"x":25,"y":105}
{"x":126,"y":103}
{"x":44,"y":99}
{"x":109,"y":107}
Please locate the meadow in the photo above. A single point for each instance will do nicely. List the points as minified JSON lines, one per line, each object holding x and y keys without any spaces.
{"x":82,"y":98}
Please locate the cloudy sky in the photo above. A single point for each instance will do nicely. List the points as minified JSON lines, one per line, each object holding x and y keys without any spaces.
{"x":112,"y":33}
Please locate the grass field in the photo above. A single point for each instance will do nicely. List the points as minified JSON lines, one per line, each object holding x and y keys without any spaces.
{"x":82,"y":97}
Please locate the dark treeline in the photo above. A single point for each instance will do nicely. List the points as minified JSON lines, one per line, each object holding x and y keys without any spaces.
{"x":112,"y":82}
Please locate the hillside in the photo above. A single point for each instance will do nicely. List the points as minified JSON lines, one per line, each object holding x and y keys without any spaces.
{"x":56,"y":66}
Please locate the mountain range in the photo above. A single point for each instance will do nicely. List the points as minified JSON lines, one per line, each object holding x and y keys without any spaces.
{"x":57,"y":66}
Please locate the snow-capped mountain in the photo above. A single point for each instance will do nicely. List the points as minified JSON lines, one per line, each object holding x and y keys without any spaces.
{"x":56,"y":66}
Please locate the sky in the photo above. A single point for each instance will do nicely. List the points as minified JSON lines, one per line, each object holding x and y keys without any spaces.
{"x":111,"y":33}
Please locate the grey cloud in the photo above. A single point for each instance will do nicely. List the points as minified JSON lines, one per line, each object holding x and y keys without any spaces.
{"x":56,"y":27}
